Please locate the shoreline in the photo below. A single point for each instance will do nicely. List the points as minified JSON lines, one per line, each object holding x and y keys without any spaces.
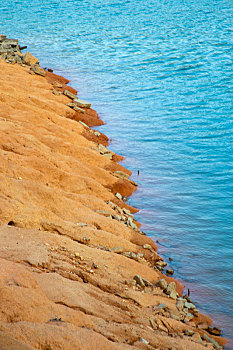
{"x":132,"y":283}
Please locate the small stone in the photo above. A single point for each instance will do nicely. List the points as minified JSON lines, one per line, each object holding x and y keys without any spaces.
{"x":55,"y":92}
{"x":38,"y":70}
{"x":118,"y":195}
{"x":173,"y":295}
{"x":161,"y":284}
{"x":210,"y":340}
{"x":144,"y":341}
{"x":81,"y":103}
{"x":57,"y":84}
{"x":97,"y":133}
{"x":20,"y":178}
{"x":139,"y":280}
{"x":76,"y":255}
{"x":102,"y":149}
{"x":180,"y":305}
{"x":78,"y":109}
{"x":195,"y":312}
{"x":86,"y":126}
{"x":147,"y":246}
{"x":108,"y":155}
{"x":147,"y":283}
{"x":189,"y":305}
{"x":69,"y":94}
{"x":169,"y":272}
{"x":214,"y":331}
{"x":188,"y":318}
{"x":189,"y":332}
{"x":171,"y":288}
{"x":117,"y":250}
{"x":197,"y":338}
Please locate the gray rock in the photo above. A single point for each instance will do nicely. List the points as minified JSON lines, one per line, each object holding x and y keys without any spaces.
{"x":188,"y":318}
{"x":118,"y":195}
{"x":117,"y":250}
{"x":38,"y":70}
{"x":102,"y":149}
{"x":171,"y":288}
{"x":210,"y":340}
{"x":144,"y":341}
{"x":139,"y":280}
{"x":169,"y":272}
{"x":189,"y":305}
{"x":81,"y":103}
{"x":108,"y":155}
{"x":69,"y":94}
{"x":180,"y":305}
{"x":162,"y":284}
{"x":97,"y":133}
{"x":78,"y":109}
{"x":86,"y":126}
{"x":147,"y":246}
{"x":173,"y":295}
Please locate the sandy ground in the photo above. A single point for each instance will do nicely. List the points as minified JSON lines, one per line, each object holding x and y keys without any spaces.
{"x":70,"y":249}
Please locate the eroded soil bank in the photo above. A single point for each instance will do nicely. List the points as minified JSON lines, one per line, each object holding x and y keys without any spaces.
{"x":75,"y":271}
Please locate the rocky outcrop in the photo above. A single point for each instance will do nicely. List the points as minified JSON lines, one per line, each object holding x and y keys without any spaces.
{"x":75,"y":269}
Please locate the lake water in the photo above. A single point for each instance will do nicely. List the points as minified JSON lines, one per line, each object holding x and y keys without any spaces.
{"x":160,"y":74}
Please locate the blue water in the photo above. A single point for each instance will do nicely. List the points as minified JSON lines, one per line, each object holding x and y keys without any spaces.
{"x":160,"y":74}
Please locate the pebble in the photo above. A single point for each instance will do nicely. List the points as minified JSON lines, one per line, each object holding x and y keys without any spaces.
{"x":189,"y":305}
{"x":207,"y":338}
{"x":144,"y":341}
{"x":162,"y":284}
{"x":56,"y":93}
{"x":139,"y":280}
{"x":118,"y":195}
{"x":188,"y":318}
{"x":169,"y":272}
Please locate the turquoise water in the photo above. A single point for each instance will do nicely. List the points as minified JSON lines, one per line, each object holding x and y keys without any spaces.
{"x":160,"y":74}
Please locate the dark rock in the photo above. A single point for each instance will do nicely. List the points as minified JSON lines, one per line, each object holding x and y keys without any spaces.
{"x":139,"y":280}
{"x":214,"y":331}
{"x":169,"y":272}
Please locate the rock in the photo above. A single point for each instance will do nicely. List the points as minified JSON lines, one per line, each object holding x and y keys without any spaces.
{"x":57,"y":84}
{"x":108,"y":155}
{"x":162,"y":284}
{"x":144,"y":341}
{"x":97,"y":133}
{"x":139,"y":280}
{"x":86,"y":126}
{"x":37,"y":70}
{"x":171,"y":288}
{"x":55,"y":92}
{"x":189,"y":305}
{"x":210,"y":340}
{"x":188,"y":318}
{"x":180,"y":305}
{"x":173,"y":295}
{"x":2,"y":37}
{"x":147,"y":283}
{"x":147,"y":246}
{"x":69,"y":94}
{"x":189,"y":332}
{"x":78,"y":109}
{"x":81,"y":103}
{"x":195,"y":312}
{"x":29,"y":59}
{"x":169,"y":272}
{"x":202,"y":325}
{"x":161,"y":263}
{"x":102,"y":149}
{"x":197,"y":338}
{"x":118,"y":195}
{"x":214,"y":331}
{"x":117,"y":250}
